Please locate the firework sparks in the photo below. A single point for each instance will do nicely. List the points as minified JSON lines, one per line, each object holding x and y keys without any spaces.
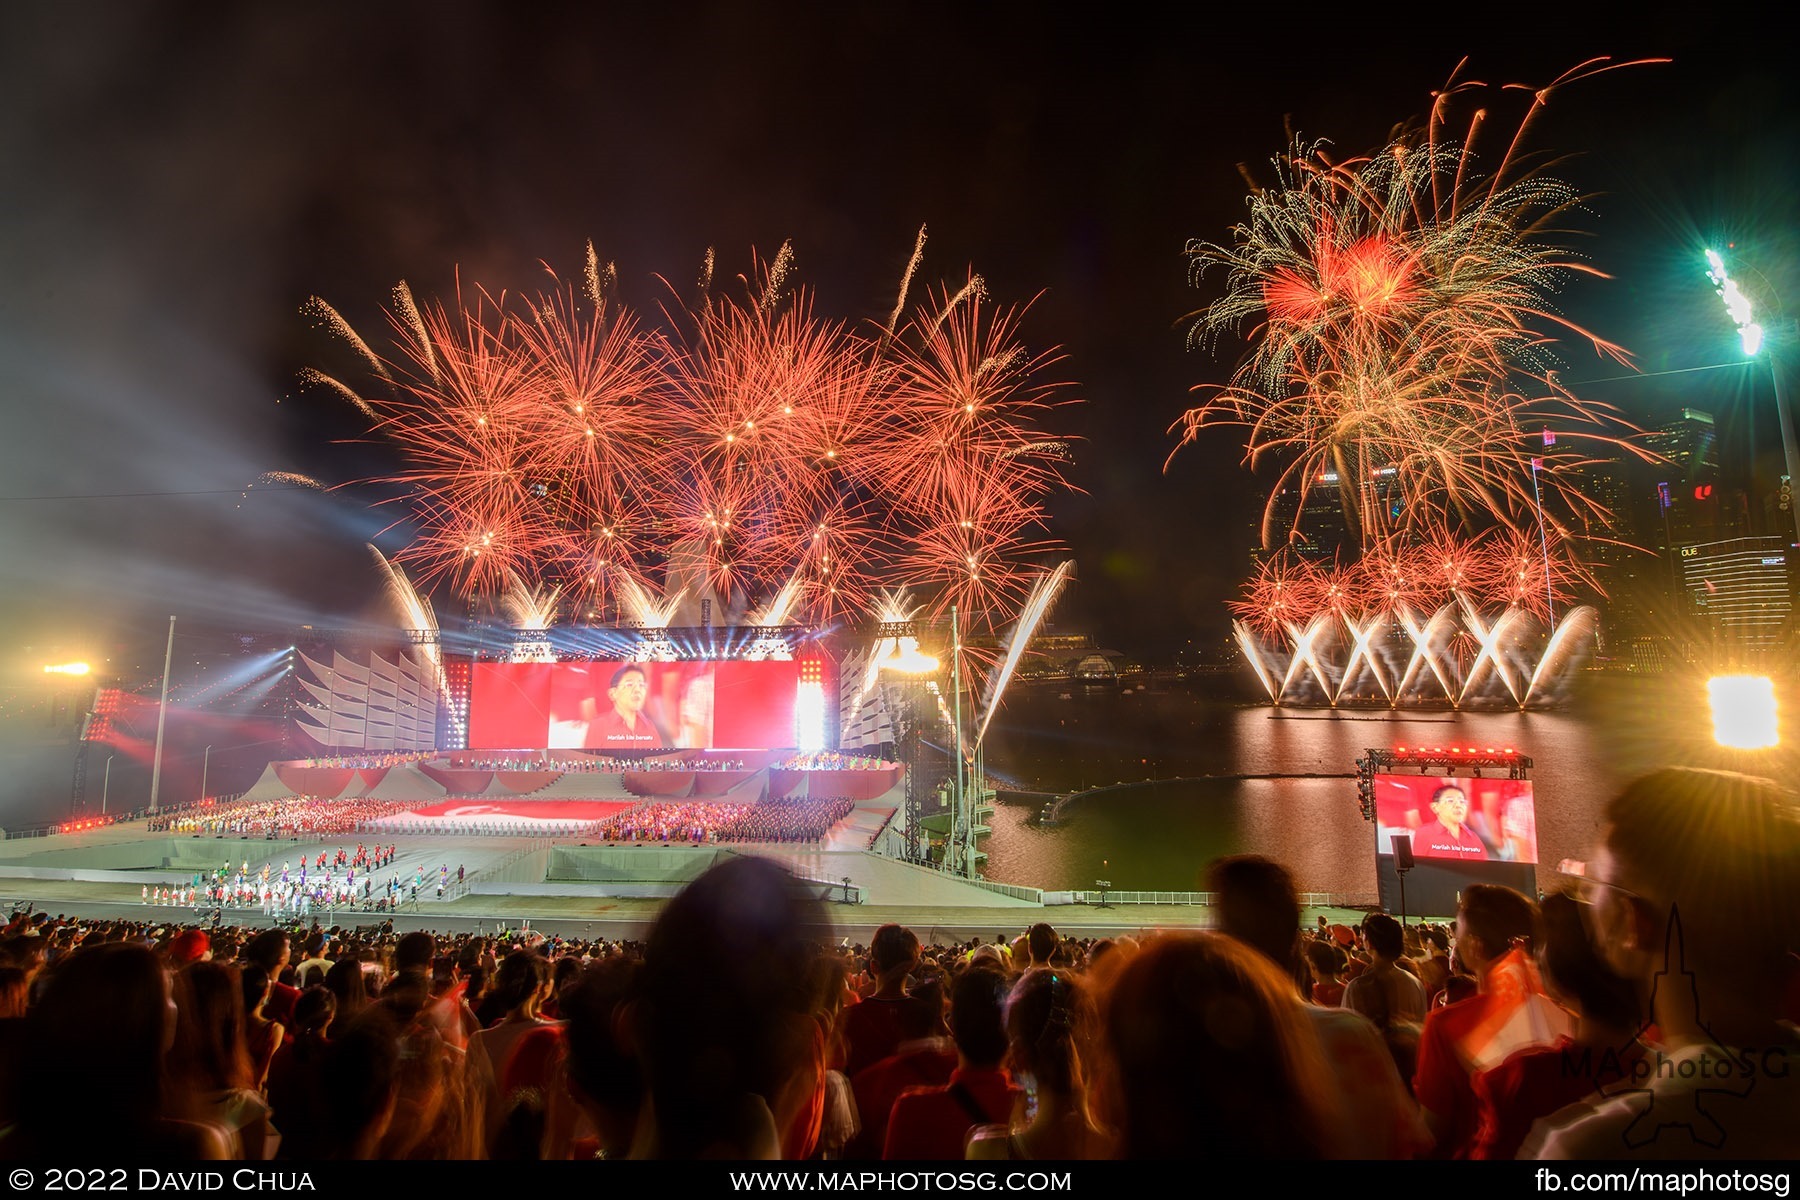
{"x":769,"y":460}
{"x":1403,"y":307}
{"x":906,"y":278}
{"x":291,"y":479}
{"x":527,"y":607}
{"x":328,"y":317}
{"x":319,"y":379}
{"x":1404,"y":335}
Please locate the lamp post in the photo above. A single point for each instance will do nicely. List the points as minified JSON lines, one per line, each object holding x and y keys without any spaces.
{"x":1402,"y":854}
{"x":205,"y":762}
{"x":1750,"y":334}
{"x":959,"y":859}
{"x":909,"y":661}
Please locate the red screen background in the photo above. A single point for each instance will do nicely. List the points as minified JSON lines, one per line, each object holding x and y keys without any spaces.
{"x":1502,"y":813}
{"x":509,"y":706}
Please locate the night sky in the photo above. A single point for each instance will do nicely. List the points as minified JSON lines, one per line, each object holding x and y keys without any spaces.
{"x":180,"y":178}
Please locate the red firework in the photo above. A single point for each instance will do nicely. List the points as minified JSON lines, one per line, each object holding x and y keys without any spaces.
{"x":1279,"y":595}
{"x":1403,"y":320}
{"x":771,"y":454}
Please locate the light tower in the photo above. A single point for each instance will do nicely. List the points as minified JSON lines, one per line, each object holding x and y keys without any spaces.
{"x":1750,"y":333}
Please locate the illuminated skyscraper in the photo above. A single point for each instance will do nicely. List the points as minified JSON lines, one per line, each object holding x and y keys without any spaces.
{"x":1739,"y":588}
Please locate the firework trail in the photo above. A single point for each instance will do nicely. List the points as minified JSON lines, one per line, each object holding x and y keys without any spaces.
{"x":775,"y":282}
{"x":906,"y":278}
{"x":599,"y":283}
{"x":1037,"y":606}
{"x":291,"y":479}
{"x":706,"y":280}
{"x":325,"y":315}
{"x":412,"y":325}
{"x":417,"y":616}
{"x":309,"y":376}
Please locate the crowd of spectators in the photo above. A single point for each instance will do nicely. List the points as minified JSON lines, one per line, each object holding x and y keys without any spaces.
{"x":741,"y":1028}
{"x":369,"y":760}
{"x":793,"y":819}
{"x":832,"y":760}
{"x":802,"y":819}
{"x":550,"y":761}
{"x":292,"y":817}
{"x":671,"y":821}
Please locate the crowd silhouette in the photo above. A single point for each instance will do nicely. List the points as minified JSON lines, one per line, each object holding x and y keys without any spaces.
{"x":741,"y":1027}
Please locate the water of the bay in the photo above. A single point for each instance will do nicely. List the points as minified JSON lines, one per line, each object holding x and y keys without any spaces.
{"x":1200,"y":738}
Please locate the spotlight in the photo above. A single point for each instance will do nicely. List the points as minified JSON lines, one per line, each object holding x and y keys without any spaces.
{"x":1744,"y":712}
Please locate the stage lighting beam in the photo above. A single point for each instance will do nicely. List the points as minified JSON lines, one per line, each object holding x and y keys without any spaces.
{"x":1745,"y":714}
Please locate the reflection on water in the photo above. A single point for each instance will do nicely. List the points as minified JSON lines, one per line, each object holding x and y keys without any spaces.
{"x":1052,"y":738}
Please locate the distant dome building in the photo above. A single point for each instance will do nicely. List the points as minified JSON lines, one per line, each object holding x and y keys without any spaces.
{"x":1094,"y":668}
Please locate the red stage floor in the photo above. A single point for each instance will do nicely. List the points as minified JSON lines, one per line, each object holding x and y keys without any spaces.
{"x":532,"y":810}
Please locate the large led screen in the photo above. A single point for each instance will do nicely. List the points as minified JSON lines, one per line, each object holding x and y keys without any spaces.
{"x":632,"y":707}
{"x":1472,"y":820}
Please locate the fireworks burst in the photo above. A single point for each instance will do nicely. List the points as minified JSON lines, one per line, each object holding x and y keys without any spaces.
{"x":1403,"y":311}
{"x":770,"y":461}
{"x":1498,"y":569}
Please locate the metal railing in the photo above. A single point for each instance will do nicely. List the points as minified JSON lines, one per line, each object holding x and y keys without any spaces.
{"x":495,"y":871}
{"x":1202,"y":899}
{"x":834,"y":891}
{"x":1031,"y":894}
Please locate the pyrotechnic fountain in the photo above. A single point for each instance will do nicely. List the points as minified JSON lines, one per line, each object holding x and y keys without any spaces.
{"x":1456,"y":657}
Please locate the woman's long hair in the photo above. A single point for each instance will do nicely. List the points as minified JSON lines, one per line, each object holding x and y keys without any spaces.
{"x":1212,"y":1055}
{"x":94,"y":1052}
{"x":210,"y":1050}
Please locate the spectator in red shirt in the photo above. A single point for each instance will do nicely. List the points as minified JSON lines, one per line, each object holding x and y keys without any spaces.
{"x":1538,"y":1081}
{"x":873,"y":1028}
{"x":270,"y":951}
{"x":1489,"y":921}
{"x":1327,"y":963}
{"x":925,"y":1058}
{"x":932,"y":1123}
